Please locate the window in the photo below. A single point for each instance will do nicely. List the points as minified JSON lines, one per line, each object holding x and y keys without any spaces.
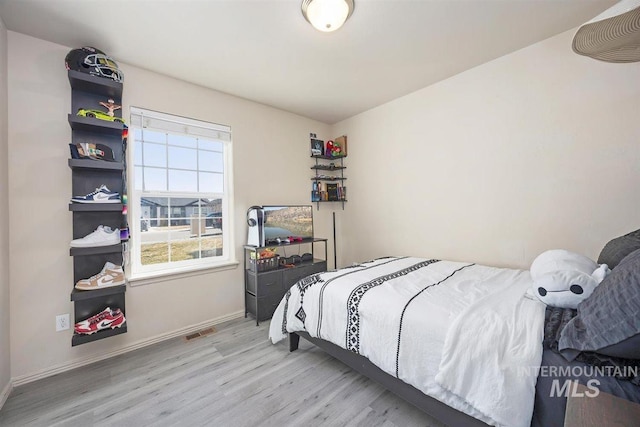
{"x":180,"y":194}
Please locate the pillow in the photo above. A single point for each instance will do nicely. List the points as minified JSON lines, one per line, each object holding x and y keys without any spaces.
{"x":618,"y":248}
{"x":627,"y":349}
{"x":610,"y":316}
{"x":565,"y":279}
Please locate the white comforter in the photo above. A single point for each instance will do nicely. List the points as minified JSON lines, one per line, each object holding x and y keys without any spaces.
{"x":458,"y":332}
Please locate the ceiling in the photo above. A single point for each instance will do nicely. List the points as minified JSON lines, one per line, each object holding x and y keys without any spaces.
{"x":265,"y":51}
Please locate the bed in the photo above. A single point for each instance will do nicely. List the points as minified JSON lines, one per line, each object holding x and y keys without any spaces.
{"x":613,"y":375}
{"x":461,"y":341}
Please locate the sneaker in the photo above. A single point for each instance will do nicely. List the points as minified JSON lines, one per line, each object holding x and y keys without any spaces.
{"x":91,"y":319}
{"x":101,"y":195}
{"x":102,"y":236}
{"x":111,"y":275}
{"x":107,"y":318}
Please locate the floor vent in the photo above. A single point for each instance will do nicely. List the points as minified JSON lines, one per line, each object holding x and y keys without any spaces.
{"x":207,"y":331}
{"x":201,"y":333}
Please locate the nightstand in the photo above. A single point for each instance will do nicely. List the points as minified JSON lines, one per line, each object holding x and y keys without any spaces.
{"x":601,"y":410}
{"x":264,"y":288}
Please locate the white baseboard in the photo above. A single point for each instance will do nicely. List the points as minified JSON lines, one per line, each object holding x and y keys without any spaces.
{"x":57,"y":369}
{"x":4,"y":395}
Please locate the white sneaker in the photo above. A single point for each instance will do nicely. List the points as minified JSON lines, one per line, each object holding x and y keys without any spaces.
{"x":102,"y":236}
{"x":111,"y":275}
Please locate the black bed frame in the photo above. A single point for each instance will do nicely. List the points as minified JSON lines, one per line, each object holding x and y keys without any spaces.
{"x":361,"y":364}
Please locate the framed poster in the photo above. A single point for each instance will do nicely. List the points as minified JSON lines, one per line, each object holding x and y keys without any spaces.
{"x":317,"y":147}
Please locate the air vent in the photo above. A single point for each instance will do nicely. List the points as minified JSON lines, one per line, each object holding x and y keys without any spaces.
{"x":201,"y":333}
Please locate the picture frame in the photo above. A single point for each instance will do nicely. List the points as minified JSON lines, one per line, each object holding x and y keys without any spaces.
{"x":341,"y":141}
{"x":317,"y":147}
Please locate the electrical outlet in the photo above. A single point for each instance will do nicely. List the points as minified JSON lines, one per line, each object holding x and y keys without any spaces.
{"x":62,"y":322}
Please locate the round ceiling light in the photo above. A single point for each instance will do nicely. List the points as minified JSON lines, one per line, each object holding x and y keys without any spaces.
{"x":327,"y":15}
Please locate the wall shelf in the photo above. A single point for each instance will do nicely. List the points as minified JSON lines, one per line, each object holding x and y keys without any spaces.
{"x":328,"y":167}
{"x":95,"y":207}
{"x":318,"y":156}
{"x":78,"y":295}
{"x":88,"y":92}
{"x":84,"y":82}
{"x":95,"y":164}
{"x":79,"y":339}
{"x":321,"y":190}
{"x":112,"y":249}
{"x":91,"y":124}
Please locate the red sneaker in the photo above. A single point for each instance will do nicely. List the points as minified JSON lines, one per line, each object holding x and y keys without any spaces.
{"x":107,"y":318}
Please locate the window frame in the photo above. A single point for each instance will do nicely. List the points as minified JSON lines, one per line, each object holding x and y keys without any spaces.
{"x":139,"y":272}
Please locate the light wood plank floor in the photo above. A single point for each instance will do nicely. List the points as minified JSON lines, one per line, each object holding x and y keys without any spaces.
{"x":234,"y":377}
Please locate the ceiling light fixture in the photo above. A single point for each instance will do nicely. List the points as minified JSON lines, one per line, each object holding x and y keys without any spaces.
{"x":612,"y":36}
{"x":327,"y":15}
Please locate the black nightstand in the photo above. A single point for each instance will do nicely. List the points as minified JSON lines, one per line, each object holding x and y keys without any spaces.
{"x":263,"y":289}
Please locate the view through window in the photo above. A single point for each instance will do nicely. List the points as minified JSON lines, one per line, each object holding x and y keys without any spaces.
{"x":180,"y":192}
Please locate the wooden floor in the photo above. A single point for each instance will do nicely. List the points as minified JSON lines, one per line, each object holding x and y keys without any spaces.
{"x":234,"y":377}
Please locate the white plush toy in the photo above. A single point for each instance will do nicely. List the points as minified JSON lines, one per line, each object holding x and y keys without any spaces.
{"x":564,"y":279}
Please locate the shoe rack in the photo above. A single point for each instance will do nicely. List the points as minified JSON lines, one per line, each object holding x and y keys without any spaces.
{"x":87,"y":92}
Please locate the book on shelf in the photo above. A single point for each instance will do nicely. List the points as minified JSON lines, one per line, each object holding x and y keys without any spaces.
{"x":332,"y":191}
{"x":328,"y":192}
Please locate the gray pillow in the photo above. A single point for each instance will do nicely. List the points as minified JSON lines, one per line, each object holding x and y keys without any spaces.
{"x":618,"y":248}
{"x":627,"y":349}
{"x":610,"y":316}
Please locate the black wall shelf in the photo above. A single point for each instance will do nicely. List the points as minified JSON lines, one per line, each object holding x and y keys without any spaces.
{"x":95,"y":207}
{"x":327,"y":167}
{"x":84,"y":82}
{"x":112,"y":249}
{"x":321,"y":193}
{"x":90,"y":92}
{"x":91,"y":124}
{"x":106,"y":333}
{"x":95,"y":164}
{"x":78,"y":295}
{"x":317,"y":156}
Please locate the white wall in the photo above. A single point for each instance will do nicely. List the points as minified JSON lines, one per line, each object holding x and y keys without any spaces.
{"x":271,"y":165}
{"x":536,"y":150}
{"x":5,"y":366}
